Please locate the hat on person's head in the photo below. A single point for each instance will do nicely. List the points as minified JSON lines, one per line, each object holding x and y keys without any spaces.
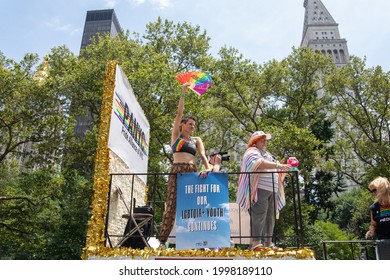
{"x":256,"y":136}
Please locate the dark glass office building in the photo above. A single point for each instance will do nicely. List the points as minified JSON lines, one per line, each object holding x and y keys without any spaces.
{"x":99,"y":22}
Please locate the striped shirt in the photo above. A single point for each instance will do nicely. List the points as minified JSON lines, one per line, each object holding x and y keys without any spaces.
{"x":266,"y":182}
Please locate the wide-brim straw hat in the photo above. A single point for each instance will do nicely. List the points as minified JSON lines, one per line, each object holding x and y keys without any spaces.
{"x":256,"y":136}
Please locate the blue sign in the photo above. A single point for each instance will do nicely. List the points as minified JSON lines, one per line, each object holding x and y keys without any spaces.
{"x":202,"y":215}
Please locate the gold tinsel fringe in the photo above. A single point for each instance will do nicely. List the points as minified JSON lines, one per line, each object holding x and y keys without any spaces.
{"x":150,"y":253}
{"x":95,"y":232}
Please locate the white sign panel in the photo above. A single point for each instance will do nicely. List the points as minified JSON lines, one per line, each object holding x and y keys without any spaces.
{"x":129,"y":128}
{"x":240,"y":224}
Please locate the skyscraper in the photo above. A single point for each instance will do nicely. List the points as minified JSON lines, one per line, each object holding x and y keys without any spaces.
{"x":321,"y":33}
{"x":99,"y":22}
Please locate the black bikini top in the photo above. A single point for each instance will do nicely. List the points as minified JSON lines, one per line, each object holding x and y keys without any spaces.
{"x":182,"y":146}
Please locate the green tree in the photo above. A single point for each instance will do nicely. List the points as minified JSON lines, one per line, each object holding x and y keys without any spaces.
{"x":31,"y":122}
{"x":34,"y":112}
{"x":30,"y":210}
{"x":326,"y":231}
{"x":362,"y":118}
{"x":323,"y":188}
{"x":352,"y":212}
{"x":68,"y":240}
{"x":288,"y":100}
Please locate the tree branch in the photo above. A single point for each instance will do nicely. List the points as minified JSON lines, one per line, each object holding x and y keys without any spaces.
{"x":3,"y":198}
{"x":12,"y":229}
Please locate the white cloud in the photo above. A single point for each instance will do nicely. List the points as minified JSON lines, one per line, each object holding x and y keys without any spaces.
{"x":56,"y":25}
{"x":137,"y":2}
{"x":181,"y":229}
{"x":110,"y":3}
{"x":224,"y":205}
{"x":159,"y":4}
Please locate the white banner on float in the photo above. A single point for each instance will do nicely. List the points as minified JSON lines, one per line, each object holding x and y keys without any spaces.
{"x":129,"y":128}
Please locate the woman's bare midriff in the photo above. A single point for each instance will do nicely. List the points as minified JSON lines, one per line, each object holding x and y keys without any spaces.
{"x":183,"y":158}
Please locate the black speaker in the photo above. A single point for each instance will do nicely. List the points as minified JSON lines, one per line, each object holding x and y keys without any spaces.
{"x":135,"y":240}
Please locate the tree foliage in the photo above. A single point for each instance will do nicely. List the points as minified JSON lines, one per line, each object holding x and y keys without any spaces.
{"x":362,"y":118}
{"x":30,"y":211}
{"x":28,"y":114}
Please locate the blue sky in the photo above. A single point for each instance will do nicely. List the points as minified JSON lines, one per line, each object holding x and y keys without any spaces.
{"x":261,"y":30}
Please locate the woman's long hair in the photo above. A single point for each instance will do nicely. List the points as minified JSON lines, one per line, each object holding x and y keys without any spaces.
{"x":382,"y":186}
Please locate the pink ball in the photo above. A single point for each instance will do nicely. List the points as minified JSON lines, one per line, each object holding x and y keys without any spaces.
{"x":293,"y":161}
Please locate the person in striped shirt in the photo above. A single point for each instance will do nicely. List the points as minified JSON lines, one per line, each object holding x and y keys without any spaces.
{"x":261,"y":194}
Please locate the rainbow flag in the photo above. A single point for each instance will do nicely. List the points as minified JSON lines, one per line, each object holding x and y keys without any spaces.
{"x":200,"y":81}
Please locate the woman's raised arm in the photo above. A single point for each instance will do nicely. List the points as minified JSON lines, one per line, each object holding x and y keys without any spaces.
{"x":179,"y":115}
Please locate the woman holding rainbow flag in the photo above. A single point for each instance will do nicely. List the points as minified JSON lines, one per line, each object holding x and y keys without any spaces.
{"x":184,"y":148}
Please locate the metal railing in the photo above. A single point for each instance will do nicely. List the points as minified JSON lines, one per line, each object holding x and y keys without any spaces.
{"x":349,"y":249}
{"x":289,"y":233}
